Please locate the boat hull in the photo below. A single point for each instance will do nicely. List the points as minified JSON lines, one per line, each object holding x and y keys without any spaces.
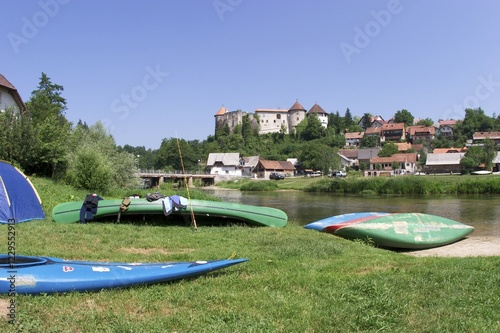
{"x":407,"y":231}
{"x":36,"y":275}
{"x":320,"y":225}
{"x":69,"y":212}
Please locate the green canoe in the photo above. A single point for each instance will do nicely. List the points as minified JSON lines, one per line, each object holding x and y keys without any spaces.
{"x":407,"y":231}
{"x":69,"y":212}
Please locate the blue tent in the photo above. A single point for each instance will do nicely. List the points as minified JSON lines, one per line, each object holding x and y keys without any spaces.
{"x":19,"y":201}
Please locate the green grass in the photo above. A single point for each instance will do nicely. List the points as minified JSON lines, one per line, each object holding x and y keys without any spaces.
{"x":297,"y":280}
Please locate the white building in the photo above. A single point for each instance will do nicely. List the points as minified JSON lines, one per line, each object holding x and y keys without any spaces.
{"x":9,"y":97}
{"x":224,"y":164}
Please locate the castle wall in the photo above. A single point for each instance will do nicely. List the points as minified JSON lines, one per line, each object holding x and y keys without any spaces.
{"x":266,"y":120}
{"x":271,"y":121}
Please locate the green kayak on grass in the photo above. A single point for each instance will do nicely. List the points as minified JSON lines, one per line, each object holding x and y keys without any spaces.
{"x":405,"y":230}
{"x":71,"y":212}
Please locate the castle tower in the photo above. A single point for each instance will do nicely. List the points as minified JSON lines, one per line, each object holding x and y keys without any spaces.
{"x":296,"y":114}
{"x":220,"y":118}
{"x":320,"y":113}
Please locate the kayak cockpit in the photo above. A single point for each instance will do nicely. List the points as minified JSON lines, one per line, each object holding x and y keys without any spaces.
{"x":12,"y":261}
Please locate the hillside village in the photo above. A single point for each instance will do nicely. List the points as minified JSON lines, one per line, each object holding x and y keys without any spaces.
{"x":410,"y":141}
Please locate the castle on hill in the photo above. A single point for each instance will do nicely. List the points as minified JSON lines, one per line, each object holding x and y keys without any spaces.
{"x":270,"y":120}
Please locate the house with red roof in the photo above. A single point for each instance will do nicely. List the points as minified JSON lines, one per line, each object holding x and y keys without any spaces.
{"x":393,"y":132}
{"x":445,"y":127}
{"x":9,"y":96}
{"x":479,"y":137}
{"x":426,"y":133}
{"x":353,"y":139}
{"x":265,"y":167}
{"x":397,"y":164}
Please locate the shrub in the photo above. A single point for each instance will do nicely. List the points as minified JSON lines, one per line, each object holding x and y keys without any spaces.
{"x":90,"y":171}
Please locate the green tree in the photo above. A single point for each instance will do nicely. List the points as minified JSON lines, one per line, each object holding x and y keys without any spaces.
{"x":46,"y":101}
{"x":467,"y":164}
{"x":404,"y":116}
{"x":388,"y":150}
{"x":367,"y":120}
{"x":441,"y":141}
{"x":489,"y":153}
{"x":336,"y":122}
{"x":174,"y":154}
{"x":118,"y":166}
{"x":91,"y":171}
{"x":46,"y":108}
{"x":51,"y":148}
{"x":348,"y":118}
{"x":314,"y":130}
{"x":318,"y":156}
{"x":425,"y":122}
{"x":9,"y":139}
{"x":144,"y":156}
{"x":475,"y":120}
{"x":369,"y":141}
{"x":481,"y":155}
{"x":355,"y":128}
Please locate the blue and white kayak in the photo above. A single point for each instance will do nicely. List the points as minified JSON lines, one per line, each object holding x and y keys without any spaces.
{"x":332,"y":220}
{"x":35,"y":275}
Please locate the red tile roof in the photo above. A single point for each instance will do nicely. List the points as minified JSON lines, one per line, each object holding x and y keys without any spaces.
{"x":447,"y":122}
{"x":403,"y":146}
{"x":349,"y":153}
{"x":486,"y":135}
{"x":13,"y":91}
{"x":316,"y":109}
{"x":412,"y":130}
{"x":354,"y":135}
{"x":5,"y":83}
{"x":395,"y":126}
{"x":297,"y":106}
{"x":410,"y":157}
{"x":277,"y":165}
{"x":449,"y":150}
{"x":221,"y":111}
{"x":373,"y":130}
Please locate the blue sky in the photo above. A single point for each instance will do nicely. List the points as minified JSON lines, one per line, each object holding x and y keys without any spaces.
{"x":156,"y":69}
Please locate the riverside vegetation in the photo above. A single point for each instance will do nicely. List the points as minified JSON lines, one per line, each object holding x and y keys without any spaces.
{"x":355,"y":184}
{"x":296,"y":280}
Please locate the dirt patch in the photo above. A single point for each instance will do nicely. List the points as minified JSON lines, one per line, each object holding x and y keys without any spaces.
{"x":468,"y":247}
{"x":4,"y":311}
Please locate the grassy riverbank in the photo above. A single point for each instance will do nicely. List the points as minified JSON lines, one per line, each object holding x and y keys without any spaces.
{"x":297,"y":280}
{"x":448,"y":184}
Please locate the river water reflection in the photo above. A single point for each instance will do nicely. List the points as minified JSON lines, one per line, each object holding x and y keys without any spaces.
{"x":481,"y":212}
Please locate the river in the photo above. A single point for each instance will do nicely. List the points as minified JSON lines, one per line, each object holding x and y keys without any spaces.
{"x":481,"y":211}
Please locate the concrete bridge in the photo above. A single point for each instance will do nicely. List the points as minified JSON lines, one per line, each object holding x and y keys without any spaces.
{"x":155,"y":178}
